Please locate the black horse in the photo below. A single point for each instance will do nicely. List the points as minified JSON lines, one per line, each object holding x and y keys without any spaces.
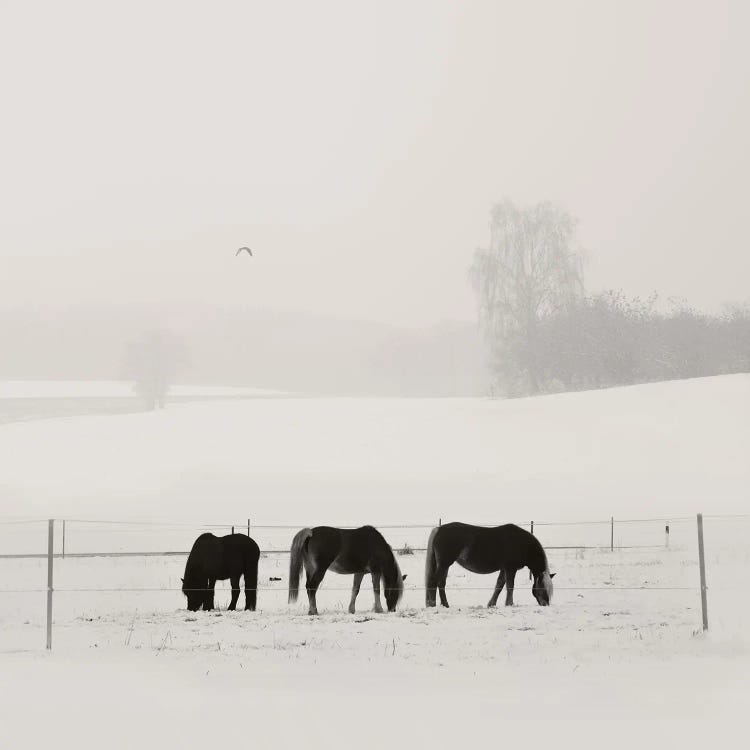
{"x":480,"y":549}
{"x":356,"y":551}
{"x":216,"y":558}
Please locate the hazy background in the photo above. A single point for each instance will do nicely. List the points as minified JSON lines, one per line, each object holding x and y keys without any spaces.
{"x":357,"y":148}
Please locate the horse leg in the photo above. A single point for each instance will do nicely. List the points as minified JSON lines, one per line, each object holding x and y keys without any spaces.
{"x":498,"y":588}
{"x":355,"y":590}
{"x":251,"y":588}
{"x":510,"y":579}
{"x":431,"y":591}
{"x":442,"y":577}
{"x":208,"y":604}
{"x":432,"y":579}
{"x":235,"y":581}
{"x":314,"y":579}
{"x":376,"y":590}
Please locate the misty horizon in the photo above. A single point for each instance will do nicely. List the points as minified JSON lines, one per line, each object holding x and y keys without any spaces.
{"x":359,"y":160}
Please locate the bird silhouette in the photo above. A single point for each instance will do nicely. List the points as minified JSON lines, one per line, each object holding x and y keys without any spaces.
{"x":249,"y":251}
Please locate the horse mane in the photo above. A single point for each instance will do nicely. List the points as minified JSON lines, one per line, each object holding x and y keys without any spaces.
{"x":193,"y":571}
{"x":539,"y":550}
{"x":399,"y":579}
{"x":542,"y":567}
{"x":546,"y":577}
{"x":547,"y":583}
{"x":192,"y":577}
{"x":398,"y":582}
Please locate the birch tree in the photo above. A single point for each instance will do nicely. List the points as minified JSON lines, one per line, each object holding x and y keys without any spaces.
{"x":530,"y":269}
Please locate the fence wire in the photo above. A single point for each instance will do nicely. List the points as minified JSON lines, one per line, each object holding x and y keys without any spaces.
{"x":144,"y":526}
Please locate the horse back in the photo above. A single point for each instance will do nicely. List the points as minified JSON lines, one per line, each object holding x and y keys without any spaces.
{"x":349,"y":550}
{"x":451,"y":539}
{"x":520,"y":547}
{"x":482,"y":549}
{"x":224,"y":557}
{"x":324,"y":544}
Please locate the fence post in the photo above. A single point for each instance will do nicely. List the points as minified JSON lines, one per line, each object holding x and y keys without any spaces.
{"x":232,"y":529}
{"x":702,"y":563}
{"x":50,"y":557}
{"x":612,"y":534}
{"x":440,"y":521}
{"x":666,"y":536}
{"x":248,"y":527}
{"x":532,"y":527}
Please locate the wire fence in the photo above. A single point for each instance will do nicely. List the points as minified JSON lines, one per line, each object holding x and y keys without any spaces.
{"x":81,"y":538}
{"x":90,"y":537}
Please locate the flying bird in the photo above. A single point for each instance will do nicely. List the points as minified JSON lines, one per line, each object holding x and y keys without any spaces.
{"x":249,"y":251}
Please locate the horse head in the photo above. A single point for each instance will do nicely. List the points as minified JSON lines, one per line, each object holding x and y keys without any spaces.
{"x":195,"y":593}
{"x":542,"y":588}
{"x":394,"y":586}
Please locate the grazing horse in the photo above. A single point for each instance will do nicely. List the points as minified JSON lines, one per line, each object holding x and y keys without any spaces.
{"x":356,"y":551}
{"x":216,"y":558}
{"x":480,"y":549}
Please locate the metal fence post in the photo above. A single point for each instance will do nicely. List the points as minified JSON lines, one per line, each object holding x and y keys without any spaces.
{"x":666,"y":536}
{"x":248,"y":527}
{"x":702,"y":564}
{"x":50,"y":558}
{"x":612,"y":534}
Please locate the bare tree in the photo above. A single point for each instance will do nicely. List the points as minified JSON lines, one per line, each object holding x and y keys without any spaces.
{"x":152,"y":362}
{"x":531,"y":269}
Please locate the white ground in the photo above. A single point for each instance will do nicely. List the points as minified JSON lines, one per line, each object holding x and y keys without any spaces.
{"x":604,"y":666}
{"x":35,"y":389}
{"x":667,"y":448}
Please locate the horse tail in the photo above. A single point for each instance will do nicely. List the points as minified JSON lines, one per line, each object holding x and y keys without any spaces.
{"x":430,"y":568}
{"x":295,"y":562}
{"x":251,"y":581}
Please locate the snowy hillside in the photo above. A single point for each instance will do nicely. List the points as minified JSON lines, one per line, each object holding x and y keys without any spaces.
{"x":622,"y":639}
{"x":673,"y":447}
{"x":40,"y":389}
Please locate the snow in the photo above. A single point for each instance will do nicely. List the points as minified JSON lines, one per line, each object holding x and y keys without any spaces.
{"x":618,"y":659}
{"x":166,"y":700}
{"x":33,"y":389}
{"x":666,"y":448}
{"x":579,"y":672}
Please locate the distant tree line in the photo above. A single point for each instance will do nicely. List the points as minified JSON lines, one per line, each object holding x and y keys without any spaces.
{"x":607,"y":339}
{"x":545,"y":334}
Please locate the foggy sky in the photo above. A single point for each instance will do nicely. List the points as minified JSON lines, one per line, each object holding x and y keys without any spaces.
{"x":358,"y":147}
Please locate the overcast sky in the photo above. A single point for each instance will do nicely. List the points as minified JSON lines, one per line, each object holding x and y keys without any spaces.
{"x":357,"y":148}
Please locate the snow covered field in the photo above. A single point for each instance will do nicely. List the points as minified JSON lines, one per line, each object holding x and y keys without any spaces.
{"x":38,"y":389}
{"x":662,"y":449}
{"x":618,"y":659}
{"x":614,"y":646}
{"x":603,"y":661}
